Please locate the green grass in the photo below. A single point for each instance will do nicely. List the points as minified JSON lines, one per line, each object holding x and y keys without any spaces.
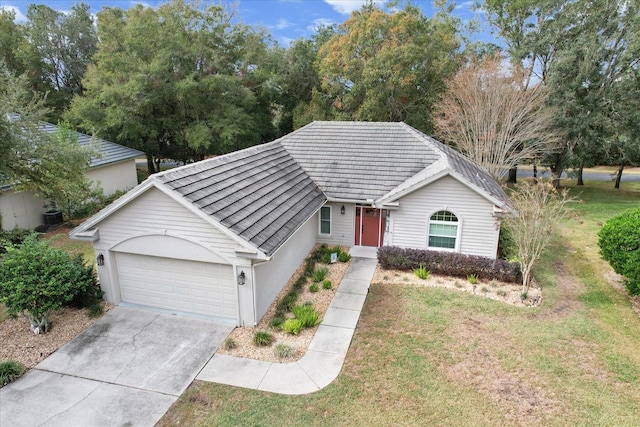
{"x":60,"y":239}
{"x":432,"y":356}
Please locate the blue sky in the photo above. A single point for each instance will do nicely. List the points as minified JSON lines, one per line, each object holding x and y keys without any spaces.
{"x":286,"y":20}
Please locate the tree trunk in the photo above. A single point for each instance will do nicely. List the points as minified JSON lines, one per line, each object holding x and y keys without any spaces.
{"x":150,"y":166}
{"x":580,"y":169}
{"x":157,"y":161}
{"x":535,"y":172}
{"x":556,"y":169}
{"x":619,"y":176}
{"x":513,"y":172}
{"x":39,"y":325}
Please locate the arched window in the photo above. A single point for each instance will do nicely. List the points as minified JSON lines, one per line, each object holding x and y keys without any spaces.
{"x":443,"y":230}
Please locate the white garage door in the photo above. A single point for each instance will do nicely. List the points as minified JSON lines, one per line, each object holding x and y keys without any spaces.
{"x":179,"y":285}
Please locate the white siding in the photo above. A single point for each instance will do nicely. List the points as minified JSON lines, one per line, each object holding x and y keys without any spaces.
{"x":20,"y":209}
{"x":155,"y":213}
{"x":271,"y":277}
{"x":115,"y":177}
{"x":479,"y":234}
{"x":342,"y":226}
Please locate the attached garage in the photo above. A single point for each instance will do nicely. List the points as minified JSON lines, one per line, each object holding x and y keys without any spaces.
{"x":179,"y":285}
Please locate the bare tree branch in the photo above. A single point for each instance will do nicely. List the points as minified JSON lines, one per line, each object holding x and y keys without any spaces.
{"x":492,"y":119}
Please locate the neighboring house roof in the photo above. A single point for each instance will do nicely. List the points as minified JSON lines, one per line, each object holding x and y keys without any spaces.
{"x":265,"y":193}
{"x":109,"y":152}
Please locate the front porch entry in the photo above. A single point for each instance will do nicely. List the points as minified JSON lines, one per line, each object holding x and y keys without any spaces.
{"x":370,"y":226}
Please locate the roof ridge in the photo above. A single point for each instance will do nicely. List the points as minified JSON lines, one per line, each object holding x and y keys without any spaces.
{"x":427,"y":140}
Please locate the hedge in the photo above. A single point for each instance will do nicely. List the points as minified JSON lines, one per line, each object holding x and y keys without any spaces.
{"x":449,"y":264}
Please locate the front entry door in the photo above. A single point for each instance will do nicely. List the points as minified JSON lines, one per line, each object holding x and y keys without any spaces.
{"x":370,"y":226}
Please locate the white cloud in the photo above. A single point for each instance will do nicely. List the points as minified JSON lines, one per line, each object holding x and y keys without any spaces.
{"x":465,"y":5}
{"x":346,"y":6}
{"x":283,"y":24}
{"x":320,"y":22}
{"x":20,"y":17}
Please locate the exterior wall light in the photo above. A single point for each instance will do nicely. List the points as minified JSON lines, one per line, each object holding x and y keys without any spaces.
{"x":241,"y":278}
{"x":342,"y":210}
{"x":100,"y":260}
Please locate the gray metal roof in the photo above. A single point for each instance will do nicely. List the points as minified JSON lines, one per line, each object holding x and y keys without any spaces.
{"x":109,"y":152}
{"x":358,"y":160}
{"x":260,"y":193}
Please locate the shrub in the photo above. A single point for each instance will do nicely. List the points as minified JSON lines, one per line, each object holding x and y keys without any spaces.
{"x":10,"y":370}
{"x":319,"y":274}
{"x":229,"y":343}
{"x":307,"y":315}
{"x":284,"y":351}
{"x":13,"y":237}
{"x":38,"y":279}
{"x":506,"y":245}
{"x":292,"y":326}
{"x":344,"y":257}
{"x":335,"y":250}
{"x":277,"y":321}
{"x":449,"y":263}
{"x":288,"y":300}
{"x":501,"y":292}
{"x":314,"y":288}
{"x":472,"y":278}
{"x":421,"y":272}
{"x":299,"y":284}
{"x":263,"y":338}
{"x":326,"y":284}
{"x":619,"y":241}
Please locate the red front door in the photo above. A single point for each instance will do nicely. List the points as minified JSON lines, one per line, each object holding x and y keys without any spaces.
{"x":370,"y":225}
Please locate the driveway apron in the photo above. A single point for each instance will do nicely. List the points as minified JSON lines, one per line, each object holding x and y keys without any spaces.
{"x":126,"y":369}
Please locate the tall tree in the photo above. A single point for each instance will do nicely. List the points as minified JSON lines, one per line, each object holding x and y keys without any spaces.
{"x":387,"y":66}
{"x":594,"y":80}
{"x":538,"y":210}
{"x":492,"y":118}
{"x":18,"y":54}
{"x":581,"y":49}
{"x":65,"y":43}
{"x":30,"y":158}
{"x":198,"y":92}
{"x":297,"y":78}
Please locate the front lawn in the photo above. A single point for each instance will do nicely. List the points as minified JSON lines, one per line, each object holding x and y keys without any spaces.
{"x":430,"y":356}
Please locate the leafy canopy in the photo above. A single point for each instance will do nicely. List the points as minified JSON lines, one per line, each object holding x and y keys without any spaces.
{"x":383,"y":66}
{"x":52,"y":166}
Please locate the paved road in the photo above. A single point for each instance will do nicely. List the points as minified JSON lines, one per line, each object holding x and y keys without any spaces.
{"x":587,"y":175}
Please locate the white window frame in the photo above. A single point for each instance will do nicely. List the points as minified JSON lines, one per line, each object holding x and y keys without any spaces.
{"x":330,"y":221}
{"x":458,"y":230}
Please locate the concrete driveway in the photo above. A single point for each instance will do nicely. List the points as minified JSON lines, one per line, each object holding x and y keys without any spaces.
{"x":126,"y":369}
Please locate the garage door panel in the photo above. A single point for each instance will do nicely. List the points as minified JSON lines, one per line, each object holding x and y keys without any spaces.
{"x":181,"y":285}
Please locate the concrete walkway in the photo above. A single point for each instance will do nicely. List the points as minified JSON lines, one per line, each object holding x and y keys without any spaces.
{"x":326,"y":354}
